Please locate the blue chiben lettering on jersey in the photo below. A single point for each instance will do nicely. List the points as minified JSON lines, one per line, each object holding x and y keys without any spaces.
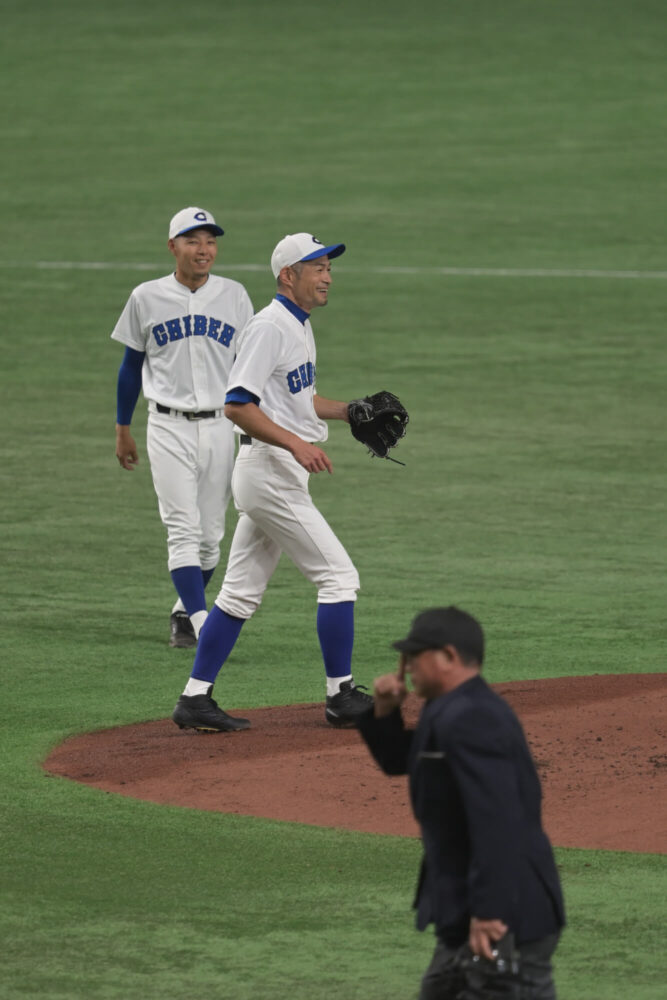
{"x":193,"y":326}
{"x":301,"y":377}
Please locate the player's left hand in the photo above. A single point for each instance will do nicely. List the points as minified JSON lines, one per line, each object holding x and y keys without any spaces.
{"x":378,"y":421}
{"x":126,"y":449}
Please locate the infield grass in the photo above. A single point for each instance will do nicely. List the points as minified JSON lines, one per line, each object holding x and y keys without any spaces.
{"x":473,"y":135}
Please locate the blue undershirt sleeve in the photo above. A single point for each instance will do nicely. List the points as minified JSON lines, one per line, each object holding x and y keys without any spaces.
{"x":129,"y":384}
{"x":241,"y":395}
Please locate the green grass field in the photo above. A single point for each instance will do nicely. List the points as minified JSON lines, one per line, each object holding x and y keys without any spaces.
{"x":480,"y":161}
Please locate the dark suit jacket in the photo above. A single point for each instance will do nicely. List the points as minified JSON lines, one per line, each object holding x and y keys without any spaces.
{"x":477,"y":797}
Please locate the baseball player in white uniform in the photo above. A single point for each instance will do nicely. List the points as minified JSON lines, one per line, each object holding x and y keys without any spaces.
{"x":180,"y":334}
{"x":272,"y":400}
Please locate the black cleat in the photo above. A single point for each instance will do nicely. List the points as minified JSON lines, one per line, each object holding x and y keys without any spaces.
{"x":344,"y":709}
{"x":182,"y":633}
{"x":202,"y":713}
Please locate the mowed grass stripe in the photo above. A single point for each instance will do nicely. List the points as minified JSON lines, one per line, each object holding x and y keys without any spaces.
{"x":463,"y":272}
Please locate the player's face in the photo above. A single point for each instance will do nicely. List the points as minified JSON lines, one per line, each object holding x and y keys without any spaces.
{"x":195,"y":253}
{"x":310,"y":286}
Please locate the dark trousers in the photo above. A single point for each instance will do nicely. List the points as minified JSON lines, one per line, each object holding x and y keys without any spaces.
{"x":454,"y":975}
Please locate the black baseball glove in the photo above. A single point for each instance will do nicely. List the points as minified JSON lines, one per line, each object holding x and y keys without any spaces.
{"x":378,"y":421}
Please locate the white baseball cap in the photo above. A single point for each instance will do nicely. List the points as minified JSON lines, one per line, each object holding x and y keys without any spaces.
{"x":301,"y":246}
{"x":193,"y":218}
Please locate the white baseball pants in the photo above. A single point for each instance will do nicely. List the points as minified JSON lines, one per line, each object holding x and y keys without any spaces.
{"x":191,"y":464}
{"x":277,"y":514}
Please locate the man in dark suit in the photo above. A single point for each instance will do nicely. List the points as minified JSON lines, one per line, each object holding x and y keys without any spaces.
{"x":488,"y":881}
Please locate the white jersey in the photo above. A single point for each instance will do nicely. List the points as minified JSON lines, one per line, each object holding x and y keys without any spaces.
{"x":189,"y":338}
{"x":276,"y":362}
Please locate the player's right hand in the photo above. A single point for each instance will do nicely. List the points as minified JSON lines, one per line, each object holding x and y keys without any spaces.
{"x":126,"y":449}
{"x":312,"y":458}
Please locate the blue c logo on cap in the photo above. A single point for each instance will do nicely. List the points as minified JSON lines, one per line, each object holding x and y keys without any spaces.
{"x":319,"y":242}
{"x":201,"y":216}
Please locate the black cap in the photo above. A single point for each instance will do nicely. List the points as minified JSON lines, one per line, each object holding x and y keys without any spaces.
{"x":439,"y":627}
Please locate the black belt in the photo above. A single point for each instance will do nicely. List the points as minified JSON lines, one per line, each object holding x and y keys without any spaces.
{"x":190,"y":415}
{"x":245,"y":439}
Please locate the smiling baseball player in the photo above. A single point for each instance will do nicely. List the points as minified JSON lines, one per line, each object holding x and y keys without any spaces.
{"x":180,"y":334}
{"x":273,"y":400}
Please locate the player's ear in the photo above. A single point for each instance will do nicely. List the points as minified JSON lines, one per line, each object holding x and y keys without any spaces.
{"x":171,"y":245}
{"x":285,"y":276}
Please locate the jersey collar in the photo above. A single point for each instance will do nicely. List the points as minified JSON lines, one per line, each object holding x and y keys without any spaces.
{"x":292,"y":307}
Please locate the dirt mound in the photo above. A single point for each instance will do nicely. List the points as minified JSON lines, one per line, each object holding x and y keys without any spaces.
{"x":599,"y":744}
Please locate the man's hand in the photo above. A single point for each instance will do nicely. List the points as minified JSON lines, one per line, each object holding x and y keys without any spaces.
{"x":312,"y":458}
{"x":126,"y":449}
{"x":254,"y":422}
{"x":389,"y":691}
{"x":483,"y":934}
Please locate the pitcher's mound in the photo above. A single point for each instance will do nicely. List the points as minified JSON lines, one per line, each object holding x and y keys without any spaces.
{"x":598,"y":742}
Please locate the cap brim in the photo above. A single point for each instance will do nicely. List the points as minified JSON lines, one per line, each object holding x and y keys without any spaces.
{"x":335,"y":250}
{"x":411,"y":645}
{"x":216,"y":230}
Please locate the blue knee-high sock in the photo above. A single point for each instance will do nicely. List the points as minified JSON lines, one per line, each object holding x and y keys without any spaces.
{"x":189,"y":583}
{"x":216,"y":641}
{"x":206,"y":576}
{"x":335,"y":630}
